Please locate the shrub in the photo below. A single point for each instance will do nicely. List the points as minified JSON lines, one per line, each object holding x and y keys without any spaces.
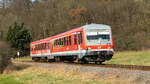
{"x":5,"y":56}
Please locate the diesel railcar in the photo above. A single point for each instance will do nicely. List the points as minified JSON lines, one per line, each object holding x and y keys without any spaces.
{"x":88,"y":43}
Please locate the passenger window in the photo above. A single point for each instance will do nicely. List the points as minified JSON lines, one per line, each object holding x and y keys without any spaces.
{"x":75,"y":39}
{"x":69,"y":40}
{"x":44,"y":45}
{"x":81,"y":38}
{"x":56,"y":42}
{"x":64,"y":41}
{"x":36,"y":47}
{"x":59,"y":41}
{"x":40,"y":46}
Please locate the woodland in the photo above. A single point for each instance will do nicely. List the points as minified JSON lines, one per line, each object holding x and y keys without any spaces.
{"x":129,"y":19}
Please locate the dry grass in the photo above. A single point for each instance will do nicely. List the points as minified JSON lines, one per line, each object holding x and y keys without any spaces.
{"x":60,"y":75}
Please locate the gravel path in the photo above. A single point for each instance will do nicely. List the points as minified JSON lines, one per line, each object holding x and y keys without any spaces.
{"x":132,"y":76}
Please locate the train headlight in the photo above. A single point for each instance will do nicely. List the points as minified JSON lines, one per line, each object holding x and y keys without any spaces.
{"x":89,"y":48}
{"x":108,"y":47}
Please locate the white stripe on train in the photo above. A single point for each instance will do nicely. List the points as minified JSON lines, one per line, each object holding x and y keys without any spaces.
{"x":66,"y":53}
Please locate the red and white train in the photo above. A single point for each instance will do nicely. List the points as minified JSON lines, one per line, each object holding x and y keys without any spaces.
{"x":89,"y":43}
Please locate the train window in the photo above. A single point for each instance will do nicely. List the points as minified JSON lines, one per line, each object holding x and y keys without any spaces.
{"x":45,"y":46}
{"x":64,"y":41}
{"x":81,"y":38}
{"x":56,"y":42}
{"x":75,"y":39}
{"x":41,"y":46}
{"x":69,"y":40}
{"x":35,"y":47}
{"x":38,"y":47}
{"x":59,"y":41}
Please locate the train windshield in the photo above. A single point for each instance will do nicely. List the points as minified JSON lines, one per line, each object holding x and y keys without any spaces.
{"x":98,"y":37}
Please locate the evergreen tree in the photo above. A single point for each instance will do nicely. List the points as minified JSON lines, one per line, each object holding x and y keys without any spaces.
{"x":18,"y":36}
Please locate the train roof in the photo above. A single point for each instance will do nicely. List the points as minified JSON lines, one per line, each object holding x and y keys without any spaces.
{"x":88,"y":26}
{"x":99,"y":26}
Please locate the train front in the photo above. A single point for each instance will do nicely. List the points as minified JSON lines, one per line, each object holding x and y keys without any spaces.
{"x":99,"y":43}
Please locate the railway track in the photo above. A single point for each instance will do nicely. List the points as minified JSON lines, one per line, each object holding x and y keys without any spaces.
{"x":129,"y":67}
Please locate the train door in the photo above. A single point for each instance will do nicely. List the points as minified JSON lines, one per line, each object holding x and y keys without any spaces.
{"x":80,"y":41}
{"x":48,"y":49}
{"x":39,"y":50}
{"x":75,"y":45}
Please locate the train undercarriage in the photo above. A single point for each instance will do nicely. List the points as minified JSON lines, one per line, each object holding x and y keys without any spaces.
{"x":97,"y":57}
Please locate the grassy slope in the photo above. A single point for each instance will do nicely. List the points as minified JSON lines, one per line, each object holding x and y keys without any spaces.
{"x":131,"y":58}
{"x":36,"y":75}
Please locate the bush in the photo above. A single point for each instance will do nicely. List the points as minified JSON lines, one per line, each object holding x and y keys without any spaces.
{"x":5,"y":56}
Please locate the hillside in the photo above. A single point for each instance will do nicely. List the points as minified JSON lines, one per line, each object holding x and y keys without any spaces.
{"x":129,"y":19}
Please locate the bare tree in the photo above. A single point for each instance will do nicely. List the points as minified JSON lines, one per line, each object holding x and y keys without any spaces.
{"x":5,"y":3}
